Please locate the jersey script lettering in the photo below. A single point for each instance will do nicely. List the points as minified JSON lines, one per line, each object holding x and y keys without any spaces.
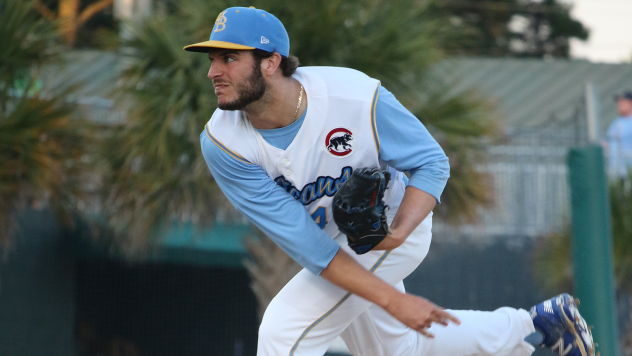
{"x":322,"y":186}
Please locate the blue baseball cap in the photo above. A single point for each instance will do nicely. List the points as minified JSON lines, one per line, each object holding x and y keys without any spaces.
{"x":627,"y":95}
{"x":246,"y":28}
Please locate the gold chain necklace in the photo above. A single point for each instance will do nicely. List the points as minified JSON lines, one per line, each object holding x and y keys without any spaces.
{"x":300,"y":98}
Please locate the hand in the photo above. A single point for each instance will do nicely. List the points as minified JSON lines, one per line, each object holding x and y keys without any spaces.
{"x":418,"y":313}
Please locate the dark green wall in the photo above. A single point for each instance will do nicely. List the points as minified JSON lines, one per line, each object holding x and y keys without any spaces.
{"x":37,"y":290}
{"x":478,"y":276}
{"x":196,"y":306}
{"x":165,"y":309}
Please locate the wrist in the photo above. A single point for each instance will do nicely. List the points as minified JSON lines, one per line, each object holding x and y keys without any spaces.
{"x":388,"y":299}
{"x":396,"y":237}
{"x":390,"y":242}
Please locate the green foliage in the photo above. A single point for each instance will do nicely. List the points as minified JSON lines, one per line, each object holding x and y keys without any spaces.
{"x":553,"y":260}
{"x":100,"y":31}
{"x":40,"y":145}
{"x":27,"y":42}
{"x":621,"y":207}
{"x":462,"y":125}
{"x":155,"y":170}
{"x":531,"y":28}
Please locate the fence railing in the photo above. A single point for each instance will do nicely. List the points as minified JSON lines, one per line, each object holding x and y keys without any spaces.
{"x":530,"y":193}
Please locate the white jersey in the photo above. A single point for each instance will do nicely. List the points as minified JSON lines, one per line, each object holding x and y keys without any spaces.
{"x":338,"y":135}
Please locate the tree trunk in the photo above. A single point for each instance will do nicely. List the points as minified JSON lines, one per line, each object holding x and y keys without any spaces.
{"x":269,"y":269}
{"x":70,"y":20}
{"x":68,"y":13}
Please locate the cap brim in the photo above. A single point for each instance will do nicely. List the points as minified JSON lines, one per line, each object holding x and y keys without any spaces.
{"x":204,"y":46}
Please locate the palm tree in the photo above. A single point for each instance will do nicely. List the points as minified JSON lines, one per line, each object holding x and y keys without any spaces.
{"x":157,"y":173}
{"x":154,"y":171}
{"x":70,"y":17}
{"x":40,"y":144}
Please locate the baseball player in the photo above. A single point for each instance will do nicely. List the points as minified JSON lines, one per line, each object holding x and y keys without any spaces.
{"x":283,"y":141}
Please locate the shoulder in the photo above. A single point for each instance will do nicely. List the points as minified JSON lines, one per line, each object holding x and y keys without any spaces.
{"x":614,"y":125}
{"x":223,"y":124}
{"x":335,"y":72}
{"x":626,"y":125}
{"x":338,"y":81}
{"x":226,"y":133}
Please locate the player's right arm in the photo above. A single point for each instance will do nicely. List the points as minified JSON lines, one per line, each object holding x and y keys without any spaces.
{"x":415,"y":312}
{"x":287,"y":223}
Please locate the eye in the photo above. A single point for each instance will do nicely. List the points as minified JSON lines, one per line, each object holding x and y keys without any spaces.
{"x":229,"y":59}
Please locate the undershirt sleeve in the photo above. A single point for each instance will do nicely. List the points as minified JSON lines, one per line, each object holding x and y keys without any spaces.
{"x":270,"y":208}
{"x":406,"y":145}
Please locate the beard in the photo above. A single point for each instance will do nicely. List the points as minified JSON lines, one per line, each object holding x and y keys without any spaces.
{"x":248,"y":92}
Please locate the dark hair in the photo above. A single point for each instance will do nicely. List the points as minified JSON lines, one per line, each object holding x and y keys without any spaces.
{"x":288,"y":64}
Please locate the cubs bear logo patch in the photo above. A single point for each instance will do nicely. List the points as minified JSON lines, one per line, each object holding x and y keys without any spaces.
{"x":339,"y":142}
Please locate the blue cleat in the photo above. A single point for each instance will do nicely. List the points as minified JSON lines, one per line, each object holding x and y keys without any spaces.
{"x":565,"y":331}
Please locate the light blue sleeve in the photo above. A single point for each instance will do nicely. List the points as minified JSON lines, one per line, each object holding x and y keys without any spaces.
{"x":613,"y":145}
{"x":270,"y":208}
{"x":406,"y":145}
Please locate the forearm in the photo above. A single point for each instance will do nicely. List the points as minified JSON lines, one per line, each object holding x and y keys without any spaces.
{"x":415,"y":312}
{"x":415,"y":207}
{"x":346,"y":273}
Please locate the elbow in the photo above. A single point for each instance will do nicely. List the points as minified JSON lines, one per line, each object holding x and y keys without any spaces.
{"x":444,"y":166}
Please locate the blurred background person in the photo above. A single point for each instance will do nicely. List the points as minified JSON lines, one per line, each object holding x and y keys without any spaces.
{"x":619,"y":137}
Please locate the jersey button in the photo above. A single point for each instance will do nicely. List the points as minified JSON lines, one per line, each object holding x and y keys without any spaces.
{"x":288,"y":173}
{"x":285,"y":161}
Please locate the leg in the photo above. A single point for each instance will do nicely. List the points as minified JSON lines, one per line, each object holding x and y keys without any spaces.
{"x":306,"y":316}
{"x":376,"y":333}
{"x":500,"y":332}
{"x":309,"y":312}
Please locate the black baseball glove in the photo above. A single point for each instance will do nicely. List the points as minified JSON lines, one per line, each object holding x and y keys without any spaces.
{"x":359,"y":210}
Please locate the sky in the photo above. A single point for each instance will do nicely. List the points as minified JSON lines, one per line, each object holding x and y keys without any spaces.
{"x":610,"y":25}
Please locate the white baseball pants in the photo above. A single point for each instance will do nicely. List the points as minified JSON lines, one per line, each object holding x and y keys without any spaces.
{"x":310,"y":312}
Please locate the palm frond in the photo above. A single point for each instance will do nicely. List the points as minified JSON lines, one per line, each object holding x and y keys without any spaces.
{"x":153,"y":168}
{"x":42,"y":146}
{"x":41,"y":151}
{"x":28,"y":42}
{"x":462,"y":124}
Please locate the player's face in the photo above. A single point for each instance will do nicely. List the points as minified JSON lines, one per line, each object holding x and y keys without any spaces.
{"x":237,"y":78}
{"x":624,"y":106}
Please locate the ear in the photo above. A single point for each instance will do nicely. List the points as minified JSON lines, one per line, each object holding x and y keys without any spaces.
{"x":271,"y":64}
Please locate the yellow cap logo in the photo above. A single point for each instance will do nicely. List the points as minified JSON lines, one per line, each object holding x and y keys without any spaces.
{"x":220,"y":22}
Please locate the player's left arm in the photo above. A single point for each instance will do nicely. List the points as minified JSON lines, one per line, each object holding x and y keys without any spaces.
{"x":414,"y":208}
{"x":406,"y":145}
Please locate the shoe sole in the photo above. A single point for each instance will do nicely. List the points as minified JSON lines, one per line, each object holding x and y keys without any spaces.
{"x":571,"y":326}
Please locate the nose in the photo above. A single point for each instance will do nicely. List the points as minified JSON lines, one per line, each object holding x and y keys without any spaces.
{"x":215,"y":71}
